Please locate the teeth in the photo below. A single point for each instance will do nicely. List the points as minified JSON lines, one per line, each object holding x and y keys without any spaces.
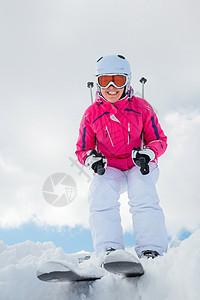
{"x":112,"y":93}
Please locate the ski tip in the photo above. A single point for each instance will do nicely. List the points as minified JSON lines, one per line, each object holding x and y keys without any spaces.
{"x":65,"y":277}
{"x":127,"y":269}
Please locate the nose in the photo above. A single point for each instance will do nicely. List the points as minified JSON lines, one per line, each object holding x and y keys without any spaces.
{"x":112,"y":87}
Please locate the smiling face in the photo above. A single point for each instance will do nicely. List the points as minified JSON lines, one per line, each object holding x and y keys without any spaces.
{"x":112,"y":94}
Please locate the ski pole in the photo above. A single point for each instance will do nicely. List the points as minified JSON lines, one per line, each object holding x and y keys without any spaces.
{"x":143,"y":81}
{"x":90,"y":85}
{"x":100,"y":168}
{"x":144,"y":167}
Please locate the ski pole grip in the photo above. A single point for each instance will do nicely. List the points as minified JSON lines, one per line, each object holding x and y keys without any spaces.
{"x":90,"y":84}
{"x":143,"y":80}
{"x":100,"y":170}
{"x":144,"y":167}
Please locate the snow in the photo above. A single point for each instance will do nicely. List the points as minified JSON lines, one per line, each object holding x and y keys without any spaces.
{"x":174,"y":276}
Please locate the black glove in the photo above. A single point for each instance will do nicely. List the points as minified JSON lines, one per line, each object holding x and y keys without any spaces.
{"x":141,"y":157}
{"x":96,"y":161}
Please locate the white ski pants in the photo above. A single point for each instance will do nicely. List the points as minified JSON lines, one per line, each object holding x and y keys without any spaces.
{"x":147,"y":215}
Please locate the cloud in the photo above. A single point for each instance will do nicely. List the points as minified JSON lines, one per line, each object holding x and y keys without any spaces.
{"x":16,"y":194}
{"x":22,"y":200}
{"x":48,"y":54}
{"x":21,"y":197}
{"x":178,"y":185}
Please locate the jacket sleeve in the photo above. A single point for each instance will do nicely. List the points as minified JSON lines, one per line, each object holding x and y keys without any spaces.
{"x":154,"y":137}
{"x":86,"y":139}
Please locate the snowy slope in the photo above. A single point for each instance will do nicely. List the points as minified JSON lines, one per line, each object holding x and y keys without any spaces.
{"x":174,"y":276}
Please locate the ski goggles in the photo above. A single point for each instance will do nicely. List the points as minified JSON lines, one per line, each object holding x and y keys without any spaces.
{"x":117,"y":80}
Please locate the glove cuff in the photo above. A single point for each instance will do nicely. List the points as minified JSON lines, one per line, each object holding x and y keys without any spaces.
{"x":146,"y":151}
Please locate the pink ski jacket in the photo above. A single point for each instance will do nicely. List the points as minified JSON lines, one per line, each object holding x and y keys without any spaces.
{"x":117,"y":128}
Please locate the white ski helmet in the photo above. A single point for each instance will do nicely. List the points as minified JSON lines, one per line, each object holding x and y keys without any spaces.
{"x":113,"y":64}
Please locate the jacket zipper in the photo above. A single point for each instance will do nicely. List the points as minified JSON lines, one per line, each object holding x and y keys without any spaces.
{"x":128,"y":132}
{"x":108,"y":133}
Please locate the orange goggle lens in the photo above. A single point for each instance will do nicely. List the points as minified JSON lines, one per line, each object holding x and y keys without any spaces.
{"x":118,"y":80}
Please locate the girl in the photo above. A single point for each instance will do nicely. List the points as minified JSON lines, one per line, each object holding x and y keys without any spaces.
{"x":111,"y":133}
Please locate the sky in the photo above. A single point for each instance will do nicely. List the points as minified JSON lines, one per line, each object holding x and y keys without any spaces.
{"x":48,"y":51}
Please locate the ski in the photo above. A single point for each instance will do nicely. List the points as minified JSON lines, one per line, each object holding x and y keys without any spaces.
{"x":123,"y":263}
{"x":119,"y":262}
{"x":53,"y":271}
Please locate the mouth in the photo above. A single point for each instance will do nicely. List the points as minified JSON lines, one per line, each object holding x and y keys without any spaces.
{"x":112,"y":93}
